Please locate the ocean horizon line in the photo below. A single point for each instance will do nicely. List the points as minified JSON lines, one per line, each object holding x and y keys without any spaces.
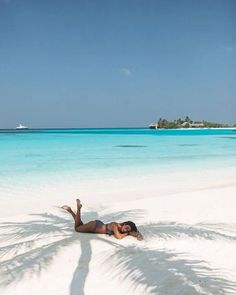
{"x":72,"y":128}
{"x":141,"y":127}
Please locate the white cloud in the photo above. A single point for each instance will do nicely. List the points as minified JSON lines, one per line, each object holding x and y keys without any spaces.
{"x":230,"y":48}
{"x":125,"y":71}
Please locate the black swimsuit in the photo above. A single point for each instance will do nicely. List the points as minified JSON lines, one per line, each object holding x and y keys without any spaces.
{"x":108,"y":231}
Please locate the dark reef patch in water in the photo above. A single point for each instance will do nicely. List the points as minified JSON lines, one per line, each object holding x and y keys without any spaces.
{"x":188,"y":144}
{"x":130,"y":146}
{"x":229,"y":137}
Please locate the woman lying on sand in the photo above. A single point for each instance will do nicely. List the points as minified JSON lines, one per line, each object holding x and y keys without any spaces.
{"x":119,"y":230}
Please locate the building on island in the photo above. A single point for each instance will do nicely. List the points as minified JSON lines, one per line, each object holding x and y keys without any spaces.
{"x":193,"y":125}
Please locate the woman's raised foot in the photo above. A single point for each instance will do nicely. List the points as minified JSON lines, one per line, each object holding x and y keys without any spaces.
{"x":67,"y":208}
{"x":78,"y":203}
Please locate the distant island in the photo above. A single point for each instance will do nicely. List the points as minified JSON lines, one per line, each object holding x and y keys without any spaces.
{"x":186,"y":123}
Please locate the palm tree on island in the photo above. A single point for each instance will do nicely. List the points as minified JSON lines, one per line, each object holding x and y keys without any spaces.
{"x":186,"y":123}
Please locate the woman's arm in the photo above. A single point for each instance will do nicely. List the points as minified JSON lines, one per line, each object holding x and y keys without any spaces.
{"x":117,"y":233}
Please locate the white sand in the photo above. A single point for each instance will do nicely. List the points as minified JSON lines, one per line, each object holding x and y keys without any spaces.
{"x":189,"y":246}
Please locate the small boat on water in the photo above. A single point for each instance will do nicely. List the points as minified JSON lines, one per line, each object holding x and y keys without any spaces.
{"x":21,"y":127}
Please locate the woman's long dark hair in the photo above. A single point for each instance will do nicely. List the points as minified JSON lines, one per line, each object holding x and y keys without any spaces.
{"x":131,"y":224}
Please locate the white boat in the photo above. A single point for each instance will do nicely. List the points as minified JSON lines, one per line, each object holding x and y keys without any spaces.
{"x":21,"y":127}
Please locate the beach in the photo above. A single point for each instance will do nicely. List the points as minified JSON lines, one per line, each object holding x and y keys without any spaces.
{"x":125,"y":111}
{"x":183,"y":204}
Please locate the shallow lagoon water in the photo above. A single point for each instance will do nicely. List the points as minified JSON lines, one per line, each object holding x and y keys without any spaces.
{"x":86,"y":153}
{"x":42,"y":167}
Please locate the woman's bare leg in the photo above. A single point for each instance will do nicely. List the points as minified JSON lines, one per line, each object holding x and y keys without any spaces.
{"x":76,"y":217}
{"x":78,"y":220}
{"x":79,"y":226}
{"x":68,"y":209}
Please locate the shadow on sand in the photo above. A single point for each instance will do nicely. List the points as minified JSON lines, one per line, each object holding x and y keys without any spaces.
{"x":27,"y":251}
{"x":30,"y":252}
{"x":162,"y":271}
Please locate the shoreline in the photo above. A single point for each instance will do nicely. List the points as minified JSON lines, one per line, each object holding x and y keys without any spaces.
{"x":107,"y":190}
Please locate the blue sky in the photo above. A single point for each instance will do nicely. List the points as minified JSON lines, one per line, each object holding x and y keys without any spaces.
{"x":119,"y":63}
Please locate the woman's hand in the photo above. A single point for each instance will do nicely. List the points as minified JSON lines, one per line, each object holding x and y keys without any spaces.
{"x":137,"y":235}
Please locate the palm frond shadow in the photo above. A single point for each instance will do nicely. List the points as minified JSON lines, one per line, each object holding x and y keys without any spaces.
{"x":123,"y":215}
{"x":165,"y":272}
{"x":25,"y":249}
{"x":80,"y":273}
{"x":207,"y":231}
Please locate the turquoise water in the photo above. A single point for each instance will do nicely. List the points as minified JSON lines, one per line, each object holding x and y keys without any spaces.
{"x":36,"y":155}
